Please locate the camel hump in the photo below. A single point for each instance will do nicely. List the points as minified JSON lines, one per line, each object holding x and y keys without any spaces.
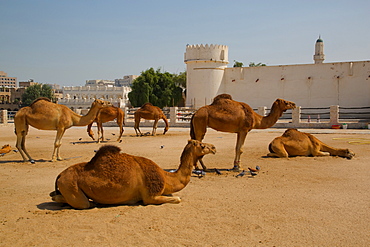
{"x":147,"y":104}
{"x":104,"y":151}
{"x":221,"y":96}
{"x":41,"y":98}
{"x":289,"y":132}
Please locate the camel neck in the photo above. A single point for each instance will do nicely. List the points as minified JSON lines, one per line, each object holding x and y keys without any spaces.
{"x":268,"y":121}
{"x":79,"y":120}
{"x":178,"y":180}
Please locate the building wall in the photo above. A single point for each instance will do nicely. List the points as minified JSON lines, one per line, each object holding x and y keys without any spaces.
{"x":308,"y":85}
{"x":205,"y":71}
{"x":82,"y":97}
{"x":6,"y":81}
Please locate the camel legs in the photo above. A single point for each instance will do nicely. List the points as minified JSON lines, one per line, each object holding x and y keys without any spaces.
{"x":238,"y":149}
{"x":155,"y":127}
{"x":136,"y":126}
{"x":277,"y":149}
{"x":90,"y":132}
{"x":161,"y":199}
{"x":72,"y":195}
{"x":21,"y":145}
{"x":120,"y":124}
{"x":100,"y":132}
{"x":57,"y":144}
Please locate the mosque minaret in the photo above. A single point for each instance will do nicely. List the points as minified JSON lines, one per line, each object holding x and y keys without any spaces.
{"x":319,"y":51}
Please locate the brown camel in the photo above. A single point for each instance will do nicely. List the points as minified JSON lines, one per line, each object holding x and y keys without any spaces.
{"x":44,"y":115}
{"x":150,"y":112}
{"x":227,"y":115}
{"x":111,"y":177}
{"x":296,"y":143}
{"x":105,"y":115}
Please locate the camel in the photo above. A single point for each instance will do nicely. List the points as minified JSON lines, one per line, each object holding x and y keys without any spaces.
{"x":105,"y":115}
{"x":150,"y":112}
{"x":44,"y":115}
{"x":227,"y":115}
{"x":296,"y":143}
{"x":111,"y":177}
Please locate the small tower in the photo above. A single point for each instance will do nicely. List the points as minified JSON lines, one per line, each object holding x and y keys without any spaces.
{"x":319,"y":56}
{"x":205,"y":65}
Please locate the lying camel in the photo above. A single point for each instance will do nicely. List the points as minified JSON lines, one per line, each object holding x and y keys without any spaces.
{"x":228,"y":115}
{"x":5,"y":149}
{"x":296,"y":143}
{"x":150,"y":112}
{"x":111,"y":177}
{"x":105,"y":115}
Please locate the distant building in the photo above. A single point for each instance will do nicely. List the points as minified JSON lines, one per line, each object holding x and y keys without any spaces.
{"x":81,"y":97}
{"x":6,"y":81}
{"x":126,"y":81}
{"x":96,"y":83}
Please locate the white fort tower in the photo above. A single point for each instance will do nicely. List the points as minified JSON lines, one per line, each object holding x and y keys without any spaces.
{"x":205,"y":71}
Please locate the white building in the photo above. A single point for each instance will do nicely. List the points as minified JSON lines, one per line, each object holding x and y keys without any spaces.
{"x":308,"y":85}
{"x":81,"y":97}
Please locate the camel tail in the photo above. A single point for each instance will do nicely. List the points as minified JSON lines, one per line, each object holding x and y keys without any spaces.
{"x":192,"y":132}
{"x":270,"y":149}
{"x":56,"y":192}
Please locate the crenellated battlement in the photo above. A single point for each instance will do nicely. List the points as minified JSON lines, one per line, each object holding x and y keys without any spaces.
{"x":217,"y":53}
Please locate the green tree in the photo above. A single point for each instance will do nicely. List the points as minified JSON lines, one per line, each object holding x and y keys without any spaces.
{"x":251,"y":64}
{"x":237,"y":64}
{"x":158,"y":88}
{"x":180,"y":79}
{"x":35,"y":91}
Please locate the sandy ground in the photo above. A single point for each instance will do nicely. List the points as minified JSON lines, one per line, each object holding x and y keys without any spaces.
{"x":301,"y":201}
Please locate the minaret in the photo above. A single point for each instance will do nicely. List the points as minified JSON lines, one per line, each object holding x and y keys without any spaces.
{"x":319,"y":51}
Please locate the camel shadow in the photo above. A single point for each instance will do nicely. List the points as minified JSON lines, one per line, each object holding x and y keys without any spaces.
{"x":21,"y":161}
{"x":56,"y":206}
{"x":82,"y":142}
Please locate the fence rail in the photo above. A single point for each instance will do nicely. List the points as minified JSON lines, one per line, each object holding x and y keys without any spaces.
{"x":325,"y":117}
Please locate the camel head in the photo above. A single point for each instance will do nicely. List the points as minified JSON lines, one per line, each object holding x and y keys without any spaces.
{"x":284,"y":104}
{"x":200,"y":149}
{"x":100,"y":103}
{"x":348,"y":154}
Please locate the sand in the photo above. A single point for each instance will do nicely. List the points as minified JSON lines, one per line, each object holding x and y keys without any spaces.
{"x":300,"y":201}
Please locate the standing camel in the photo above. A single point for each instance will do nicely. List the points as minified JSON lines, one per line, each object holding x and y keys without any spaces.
{"x":107,"y":114}
{"x":44,"y":115}
{"x":111,"y":177}
{"x":150,"y":112}
{"x":227,"y":115}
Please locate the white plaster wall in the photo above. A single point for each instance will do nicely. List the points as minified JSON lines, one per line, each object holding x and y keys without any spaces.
{"x":204,"y":80}
{"x":311,"y":85}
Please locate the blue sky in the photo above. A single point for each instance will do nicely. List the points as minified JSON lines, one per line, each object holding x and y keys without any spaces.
{"x":68,"y":42}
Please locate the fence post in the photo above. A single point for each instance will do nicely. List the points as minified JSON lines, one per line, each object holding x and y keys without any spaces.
{"x":334,"y":114}
{"x":262,"y":110}
{"x":124,"y":109}
{"x":173,"y":112}
{"x":4,"y":116}
{"x":296,"y":116}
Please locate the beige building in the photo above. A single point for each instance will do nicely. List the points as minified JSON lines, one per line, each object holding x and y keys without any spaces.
{"x":320,"y":84}
{"x":6,"y":81}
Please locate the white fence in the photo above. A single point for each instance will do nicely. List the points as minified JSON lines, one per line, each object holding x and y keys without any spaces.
{"x":323,"y":118}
